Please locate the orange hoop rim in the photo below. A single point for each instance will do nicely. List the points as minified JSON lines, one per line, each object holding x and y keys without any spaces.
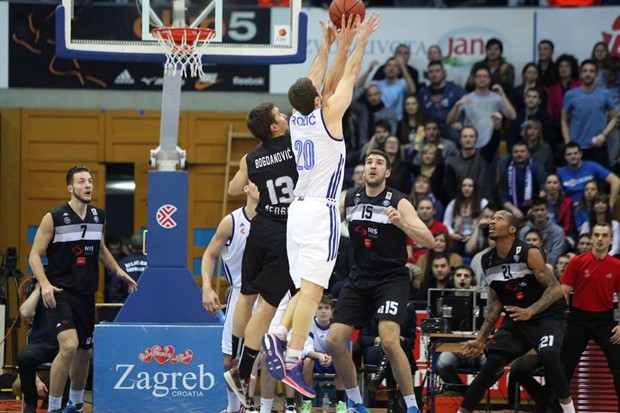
{"x":183,"y":35}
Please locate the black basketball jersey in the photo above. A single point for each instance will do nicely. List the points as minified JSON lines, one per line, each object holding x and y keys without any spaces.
{"x":513,"y":280}
{"x":378,"y":245}
{"x":73,"y":252}
{"x":272,"y":167}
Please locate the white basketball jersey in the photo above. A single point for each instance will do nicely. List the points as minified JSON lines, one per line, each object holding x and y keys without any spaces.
{"x":319,"y":157}
{"x":232,"y":253}
{"x":316,"y":339}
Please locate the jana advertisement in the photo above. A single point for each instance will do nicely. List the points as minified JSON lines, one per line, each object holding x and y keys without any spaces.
{"x":161,"y":368}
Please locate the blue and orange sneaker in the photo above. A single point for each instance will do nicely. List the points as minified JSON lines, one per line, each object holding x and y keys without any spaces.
{"x":353,"y":407}
{"x":413,"y":409}
{"x":295,"y":378}
{"x":273,"y":347}
{"x":74,"y":408}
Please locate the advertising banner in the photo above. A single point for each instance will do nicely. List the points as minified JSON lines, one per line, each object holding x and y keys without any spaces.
{"x":461,"y":34}
{"x":158,"y":368}
{"x":576,"y":30}
{"x":34,"y":64}
{"x":4,"y":45}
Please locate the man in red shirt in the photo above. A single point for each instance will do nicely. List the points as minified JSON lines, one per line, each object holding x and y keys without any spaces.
{"x":426,"y":211}
{"x":594,"y":276}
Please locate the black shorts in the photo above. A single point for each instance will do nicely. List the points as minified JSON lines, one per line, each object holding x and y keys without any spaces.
{"x":265,"y":269}
{"x":384,"y":298}
{"x":74,"y":311}
{"x":544,"y":333}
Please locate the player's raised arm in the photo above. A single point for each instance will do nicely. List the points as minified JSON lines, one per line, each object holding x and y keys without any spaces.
{"x":344,"y":37}
{"x":210,"y":300}
{"x":337,"y":104}
{"x":317,"y":71}
{"x":240,"y":180}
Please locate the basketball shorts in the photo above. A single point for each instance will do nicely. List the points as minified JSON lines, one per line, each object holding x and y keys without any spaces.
{"x":265,"y":268}
{"x":385,"y":299}
{"x":74,"y":311}
{"x":313,"y":234}
{"x":544,"y":333}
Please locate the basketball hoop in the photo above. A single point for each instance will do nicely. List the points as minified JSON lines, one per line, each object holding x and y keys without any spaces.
{"x":184,"y":47}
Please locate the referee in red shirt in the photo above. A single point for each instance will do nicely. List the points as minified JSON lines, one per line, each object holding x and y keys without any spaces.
{"x":594,"y":276}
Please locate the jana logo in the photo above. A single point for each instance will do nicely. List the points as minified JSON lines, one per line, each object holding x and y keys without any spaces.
{"x":465,"y":46}
{"x":163,"y":355}
{"x":612,"y":38}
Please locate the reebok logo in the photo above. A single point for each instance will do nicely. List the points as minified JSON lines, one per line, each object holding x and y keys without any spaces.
{"x":124,"y":78}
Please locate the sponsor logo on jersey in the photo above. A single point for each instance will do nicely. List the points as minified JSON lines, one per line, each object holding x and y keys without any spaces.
{"x":67,"y":220}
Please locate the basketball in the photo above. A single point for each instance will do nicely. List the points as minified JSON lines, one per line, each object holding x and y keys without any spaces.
{"x":347,"y":7}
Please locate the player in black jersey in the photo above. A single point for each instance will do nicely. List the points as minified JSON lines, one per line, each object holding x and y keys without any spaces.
{"x":265,"y":270}
{"x":535,"y":308}
{"x":380,"y":220}
{"x":71,"y":238}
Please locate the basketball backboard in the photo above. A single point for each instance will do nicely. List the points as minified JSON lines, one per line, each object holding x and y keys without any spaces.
{"x":250,"y":32}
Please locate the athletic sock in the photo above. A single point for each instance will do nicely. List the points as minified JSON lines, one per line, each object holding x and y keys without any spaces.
{"x":233,"y":401}
{"x":248,"y":357}
{"x":235,"y":346}
{"x":54,"y":403}
{"x":265,"y":405}
{"x":568,"y":408}
{"x":354,"y":395}
{"x":281,"y":332}
{"x":292,"y":357}
{"x":76,"y":396}
{"x":410,"y":401}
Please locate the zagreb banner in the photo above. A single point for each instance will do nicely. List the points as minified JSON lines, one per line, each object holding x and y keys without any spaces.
{"x":158,"y":368}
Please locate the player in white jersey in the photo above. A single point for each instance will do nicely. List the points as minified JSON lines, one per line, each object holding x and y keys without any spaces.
{"x":319,"y":103}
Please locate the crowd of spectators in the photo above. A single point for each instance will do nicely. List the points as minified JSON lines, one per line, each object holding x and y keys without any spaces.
{"x":546,"y":150}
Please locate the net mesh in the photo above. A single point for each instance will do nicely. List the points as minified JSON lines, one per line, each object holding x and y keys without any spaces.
{"x":184,"y":48}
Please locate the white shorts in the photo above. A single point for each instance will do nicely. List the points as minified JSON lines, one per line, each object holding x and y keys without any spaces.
{"x":312,"y":238}
{"x":227,"y":332}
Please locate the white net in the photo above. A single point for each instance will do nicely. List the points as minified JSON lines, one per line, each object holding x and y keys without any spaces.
{"x":184,"y":47}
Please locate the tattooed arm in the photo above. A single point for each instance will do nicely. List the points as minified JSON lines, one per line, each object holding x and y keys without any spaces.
{"x":552,"y":293}
{"x":473,"y":348}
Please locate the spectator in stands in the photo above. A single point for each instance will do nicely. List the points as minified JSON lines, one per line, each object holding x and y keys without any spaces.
{"x":611,"y":81}
{"x":134,"y":264}
{"x":473,"y":162}
{"x":560,"y":206}
{"x":477,"y":108}
{"x":399,"y":178}
{"x":114,"y":244}
{"x":461,"y":216}
{"x":434,"y":54}
{"x":410,"y":129}
{"x":538,"y":147}
{"x":438,"y":276}
{"x":589,"y":116}
{"x":431,"y":166}
{"x":438,"y":98}
{"x":546,"y":66}
{"x":423,"y":188}
{"x":382,"y":131}
{"x":432,"y":135}
{"x":368,"y":108}
{"x":315,"y":354}
{"x":581,"y":212}
{"x":449,"y":363}
{"x":393,"y":87}
{"x":567,"y":78}
{"x":402,"y":53}
{"x":531,"y":80}
{"x":501,"y":72}
{"x":480,"y":237}
{"x":594,"y":278}
{"x":600,"y":56}
{"x":425,"y":210}
{"x":533,"y":109}
{"x":555,"y":244}
{"x":584,"y":244}
{"x":442,"y":247}
{"x":534,"y":237}
{"x":560,"y":265}
{"x":578,"y":172}
{"x":42,"y":347}
{"x":521,"y":179}
{"x":600,"y":213}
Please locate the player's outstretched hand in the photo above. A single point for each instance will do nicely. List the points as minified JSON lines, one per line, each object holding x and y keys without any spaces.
{"x":519,"y":313}
{"x":329,"y":31}
{"x":615,"y":338}
{"x":346,"y":34}
{"x":369,"y":25}
{"x":210,"y":301}
{"x":133,"y":286}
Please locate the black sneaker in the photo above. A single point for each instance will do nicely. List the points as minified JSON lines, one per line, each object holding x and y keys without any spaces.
{"x":71,"y":408}
{"x":238,"y":385}
{"x":290,"y":408}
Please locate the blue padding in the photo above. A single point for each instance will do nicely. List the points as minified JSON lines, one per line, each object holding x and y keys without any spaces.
{"x":32,"y":231}
{"x":197,"y":265}
{"x":63,"y":52}
{"x":202,"y":236}
{"x":165,"y":295}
